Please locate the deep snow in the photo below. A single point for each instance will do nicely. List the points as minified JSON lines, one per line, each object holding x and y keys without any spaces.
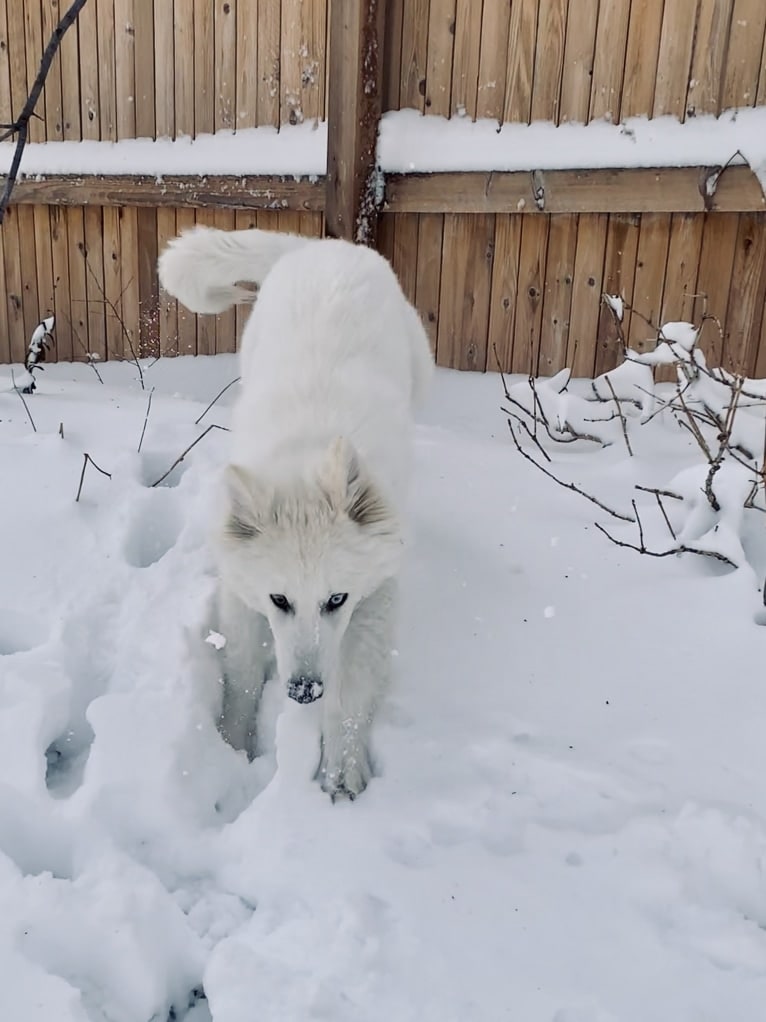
{"x":569,"y":822}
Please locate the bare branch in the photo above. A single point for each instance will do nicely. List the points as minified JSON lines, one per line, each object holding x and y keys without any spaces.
{"x":531,"y":435}
{"x":183,"y":454}
{"x":623,"y":423}
{"x":86,"y":459}
{"x":220,"y":394}
{"x":146,"y":419}
{"x":21,"y":124}
{"x":567,"y":486}
{"x":121,"y":321}
{"x":681,"y":549}
{"x":662,"y":493}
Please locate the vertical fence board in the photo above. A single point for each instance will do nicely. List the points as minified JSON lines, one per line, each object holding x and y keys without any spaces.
{"x":44,"y":267}
{"x":708,"y":61}
{"x":557,"y":297}
{"x":183,"y":66}
{"x":747,"y":294}
{"x":582,"y":19}
{"x":405,"y":261}
{"x":14,"y":286}
{"x":493,"y":55}
{"x":467,"y":31}
{"x":441,"y":40}
{"x":78,"y":286}
{"x":674,"y":61}
{"x":94,"y":283}
{"x":290,"y":63}
{"x":112,"y":259}
{"x":148,"y":285}
{"x":653,"y":239}
{"x":226,"y":322}
{"x":520,"y":70}
{"x":393,"y":47}
{"x":246,"y":85}
{"x":225,"y":62}
{"x":548,"y":74}
{"x":168,"y":306}
{"x":314,"y":20}
{"x":746,"y":45}
{"x":90,"y":103}
{"x":164,"y":69}
{"x":466,"y":276}
{"x":586,"y":296}
{"x":27,"y":259}
{"x":187,"y":321}
{"x":17,"y":57}
{"x":107,"y":72}
{"x":609,"y":61}
{"x":129,"y":307}
{"x":5,"y":338}
{"x":414,"y":61}
{"x":61,"y":303}
{"x":203,"y":50}
{"x":619,"y":274}
{"x":683,"y":263}
{"x":34,"y":47}
{"x":269,"y":29}
{"x":533,"y":253}
{"x":719,"y":238}
{"x":642,"y":51}
{"x":504,"y":291}
{"x":428,"y":274}
{"x":125,"y":67}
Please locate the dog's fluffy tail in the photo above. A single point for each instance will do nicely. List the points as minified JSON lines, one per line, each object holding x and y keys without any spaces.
{"x":204,"y":267}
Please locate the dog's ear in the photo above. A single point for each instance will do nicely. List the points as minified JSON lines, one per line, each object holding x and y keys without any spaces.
{"x":245,"y":509}
{"x":347,"y":487}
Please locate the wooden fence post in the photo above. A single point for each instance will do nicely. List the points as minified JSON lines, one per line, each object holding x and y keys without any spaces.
{"x":354,"y":105}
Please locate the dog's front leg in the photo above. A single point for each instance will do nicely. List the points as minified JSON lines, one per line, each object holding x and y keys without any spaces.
{"x":363,"y":674}
{"x":247,"y":657}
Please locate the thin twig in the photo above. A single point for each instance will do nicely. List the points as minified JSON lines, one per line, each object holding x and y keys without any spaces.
{"x":623,"y":423}
{"x":533,"y":436}
{"x":121,"y":321}
{"x":26,"y":406}
{"x":219,"y":394}
{"x":87,"y":458}
{"x":146,"y":418}
{"x":661,"y":493}
{"x":181,"y":456}
{"x":21,"y":124}
{"x":640,"y":526}
{"x":567,"y":486}
{"x":502,"y":374}
{"x":665,"y":516}
{"x":681,"y":549}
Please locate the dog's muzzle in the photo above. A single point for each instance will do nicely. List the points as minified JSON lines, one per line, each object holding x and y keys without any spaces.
{"x":304,"y":689}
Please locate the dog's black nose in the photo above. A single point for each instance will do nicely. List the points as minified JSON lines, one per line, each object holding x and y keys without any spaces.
{"x":304,"y":689}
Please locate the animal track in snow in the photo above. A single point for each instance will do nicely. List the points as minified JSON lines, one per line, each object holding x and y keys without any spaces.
{"x":154,"y":465}
{"x":153,"y":531}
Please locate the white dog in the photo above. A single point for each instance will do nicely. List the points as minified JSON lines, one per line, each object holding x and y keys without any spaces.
{"x":333,"y":358}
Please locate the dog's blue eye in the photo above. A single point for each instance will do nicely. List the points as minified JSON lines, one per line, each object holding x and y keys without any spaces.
{"x":336,"y":600}
{"x":281,"y":602}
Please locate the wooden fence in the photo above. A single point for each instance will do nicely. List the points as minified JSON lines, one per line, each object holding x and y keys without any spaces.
{"x":495,"y":286}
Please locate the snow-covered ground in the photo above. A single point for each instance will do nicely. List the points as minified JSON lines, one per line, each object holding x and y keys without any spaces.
{"x":569,"y":822}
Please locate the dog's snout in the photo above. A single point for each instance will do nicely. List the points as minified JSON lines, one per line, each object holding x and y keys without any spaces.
{"x":305,"y":689}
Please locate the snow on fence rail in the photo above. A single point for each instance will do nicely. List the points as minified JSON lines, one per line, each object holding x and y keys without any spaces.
{"x":498,"y":287}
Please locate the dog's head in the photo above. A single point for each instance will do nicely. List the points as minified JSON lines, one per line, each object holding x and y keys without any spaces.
{"x":305,"y":553}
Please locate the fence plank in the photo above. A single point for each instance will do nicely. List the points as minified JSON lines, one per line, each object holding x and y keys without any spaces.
{"x":465,"y":286}
{"x":747,"y":295}
{"x":90,"y":103}
{"x":529,"y":299}
{"x":467,"y":32}
{"x":642,"y":51}
{"x":269,"y":29}
{"x":414,"y":62}
{"x":78,"y":285}
{"x":61,"y":302}
{"x":27,"y":258}
{"x":246,"y":85}
{"x":148,"y":285}
{"x":94,"y":283}
{"x":746,"y":45}
{"x":6,"y":103}
{"x":719,"y":238}
{"x":44,"y":268}
{"x":14,"y":286}
{"x":226,"y":322}
{"x":17,"y":57}
{"x":313,"y":70}
{"x":441,"y":51}
{"x":187,"y":321}
{"x":183,"y":66}
{"x":130,"y":299}
{"x":5,"y":338}
{"x":34,"y":47}
{"x":674,"y":61}
{"x":429,"y":268}
{"x":582,"y":19}
{"x":164,"y":70}
{"x":548,"y":74}
{"x":493,"y":56}
{"x":557,"y":293}
{"x":586,"y":295}
{"x":168,"y":306}
{"x":107,"y":86}
{"x":405,"y":260}
{"x":683,"y":263}
{"x":708,"y":61}
{"x":609,"y":62}
{"x":648,"y":286}
{"x":504,"y":291}
{"x":225,"y":63}
{"x":204,"y":67}
{"x":619,"y":274}
{"x":125,"y":67}
{"x":520,"y":71}
{"x":112,"y":258}
{"x":289,"y":64}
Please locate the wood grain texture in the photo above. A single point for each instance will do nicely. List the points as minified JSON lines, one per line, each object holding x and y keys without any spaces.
{"x":466,"y":277}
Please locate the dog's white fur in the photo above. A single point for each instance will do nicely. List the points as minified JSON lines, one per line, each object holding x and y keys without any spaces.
{"x":333,"y":357}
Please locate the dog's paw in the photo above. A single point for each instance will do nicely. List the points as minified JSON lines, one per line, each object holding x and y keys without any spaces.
{"x":348,"y":778}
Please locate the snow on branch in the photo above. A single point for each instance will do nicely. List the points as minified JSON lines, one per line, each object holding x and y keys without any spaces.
{"x":723,"y":413}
